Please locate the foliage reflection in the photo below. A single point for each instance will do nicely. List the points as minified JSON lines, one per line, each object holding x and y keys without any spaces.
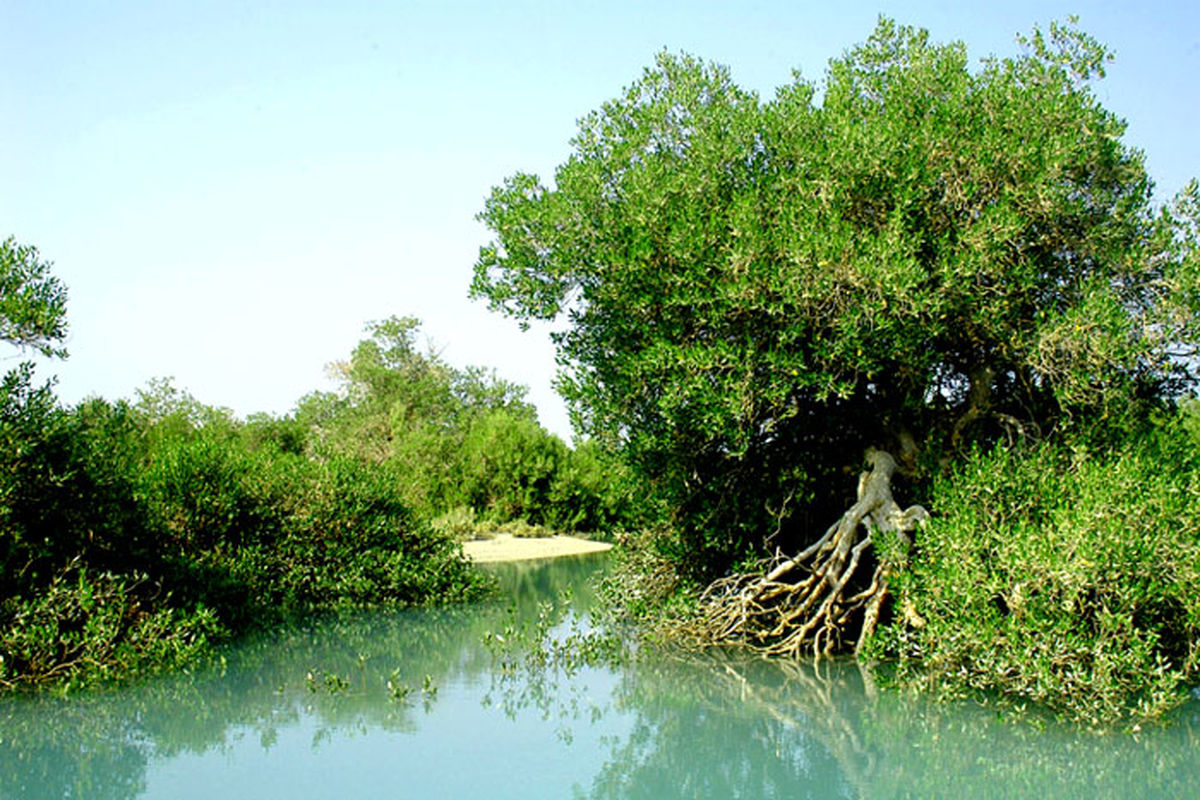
{"x":718,"y":724}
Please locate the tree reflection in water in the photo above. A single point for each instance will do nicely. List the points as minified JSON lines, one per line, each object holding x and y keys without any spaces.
{"x":728,"y":723}
{"x":674,"y":724}
{"x":99,"y":744}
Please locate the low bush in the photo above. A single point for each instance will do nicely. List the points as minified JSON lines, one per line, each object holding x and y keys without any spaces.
{"x":522,"y":529}
{"x":87,"y":626}
{"x":132,"y":541}
{"x":462,"y":523}
{"x":351,"y":541}
{"x":1059,"y":575}
{"x":271,"y":532}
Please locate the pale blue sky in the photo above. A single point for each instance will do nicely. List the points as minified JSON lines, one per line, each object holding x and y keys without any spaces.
{"x":231,"y":190}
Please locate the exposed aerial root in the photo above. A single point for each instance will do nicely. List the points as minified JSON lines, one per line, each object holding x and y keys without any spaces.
{"x":816,"y":602}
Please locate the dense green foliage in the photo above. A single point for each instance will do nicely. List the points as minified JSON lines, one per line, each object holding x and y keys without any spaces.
{"x":914,"y":252}
{"x":458,"y":440}
{"x":131,"y":541}
{"x":1065,"y":575}
{"x":135,"y":536}
{"x":33,"y":303}
{"x":959,"y":265}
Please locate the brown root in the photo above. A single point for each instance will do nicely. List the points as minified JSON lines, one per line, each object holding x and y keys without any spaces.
{"x":813,"y":602}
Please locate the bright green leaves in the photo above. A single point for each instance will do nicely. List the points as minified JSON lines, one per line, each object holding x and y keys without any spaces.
{"x":1063,"y":577}
{"x":745,"y":283}
{"x":532,"y":255}
{"x":457,"y":444}
{"x":33,"y":303}
{"x":1068,"y":53}
{"x":389,"y":375}
{"x":1177,"y":326}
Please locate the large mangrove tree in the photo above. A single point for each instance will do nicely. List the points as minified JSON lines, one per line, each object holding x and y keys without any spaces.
{"x":917,"y":254}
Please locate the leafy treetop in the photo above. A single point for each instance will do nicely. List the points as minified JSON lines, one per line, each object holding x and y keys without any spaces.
{"x":33,"y":303}
{"x":913,"y":254}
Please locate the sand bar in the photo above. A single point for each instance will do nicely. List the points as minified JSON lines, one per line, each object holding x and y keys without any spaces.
{"x":506,"y":547}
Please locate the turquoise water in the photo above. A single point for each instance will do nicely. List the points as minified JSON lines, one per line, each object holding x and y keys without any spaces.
{"x":308,"y":713}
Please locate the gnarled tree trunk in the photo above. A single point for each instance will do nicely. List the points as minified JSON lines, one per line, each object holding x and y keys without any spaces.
{"x":816,"y":601}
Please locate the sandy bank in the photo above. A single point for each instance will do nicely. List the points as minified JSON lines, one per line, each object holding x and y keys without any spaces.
{"x":506,"y":547}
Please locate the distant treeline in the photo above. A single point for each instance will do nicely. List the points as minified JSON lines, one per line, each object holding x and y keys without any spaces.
{"x":136,"y":534}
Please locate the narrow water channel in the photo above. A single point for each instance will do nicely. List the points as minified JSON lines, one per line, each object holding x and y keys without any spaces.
{"x":413,"y":705}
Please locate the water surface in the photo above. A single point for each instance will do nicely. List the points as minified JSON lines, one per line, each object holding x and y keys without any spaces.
{"x":412,"y":705}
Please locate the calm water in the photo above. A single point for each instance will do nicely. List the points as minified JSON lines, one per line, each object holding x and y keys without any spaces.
{"x":308,"y":714}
